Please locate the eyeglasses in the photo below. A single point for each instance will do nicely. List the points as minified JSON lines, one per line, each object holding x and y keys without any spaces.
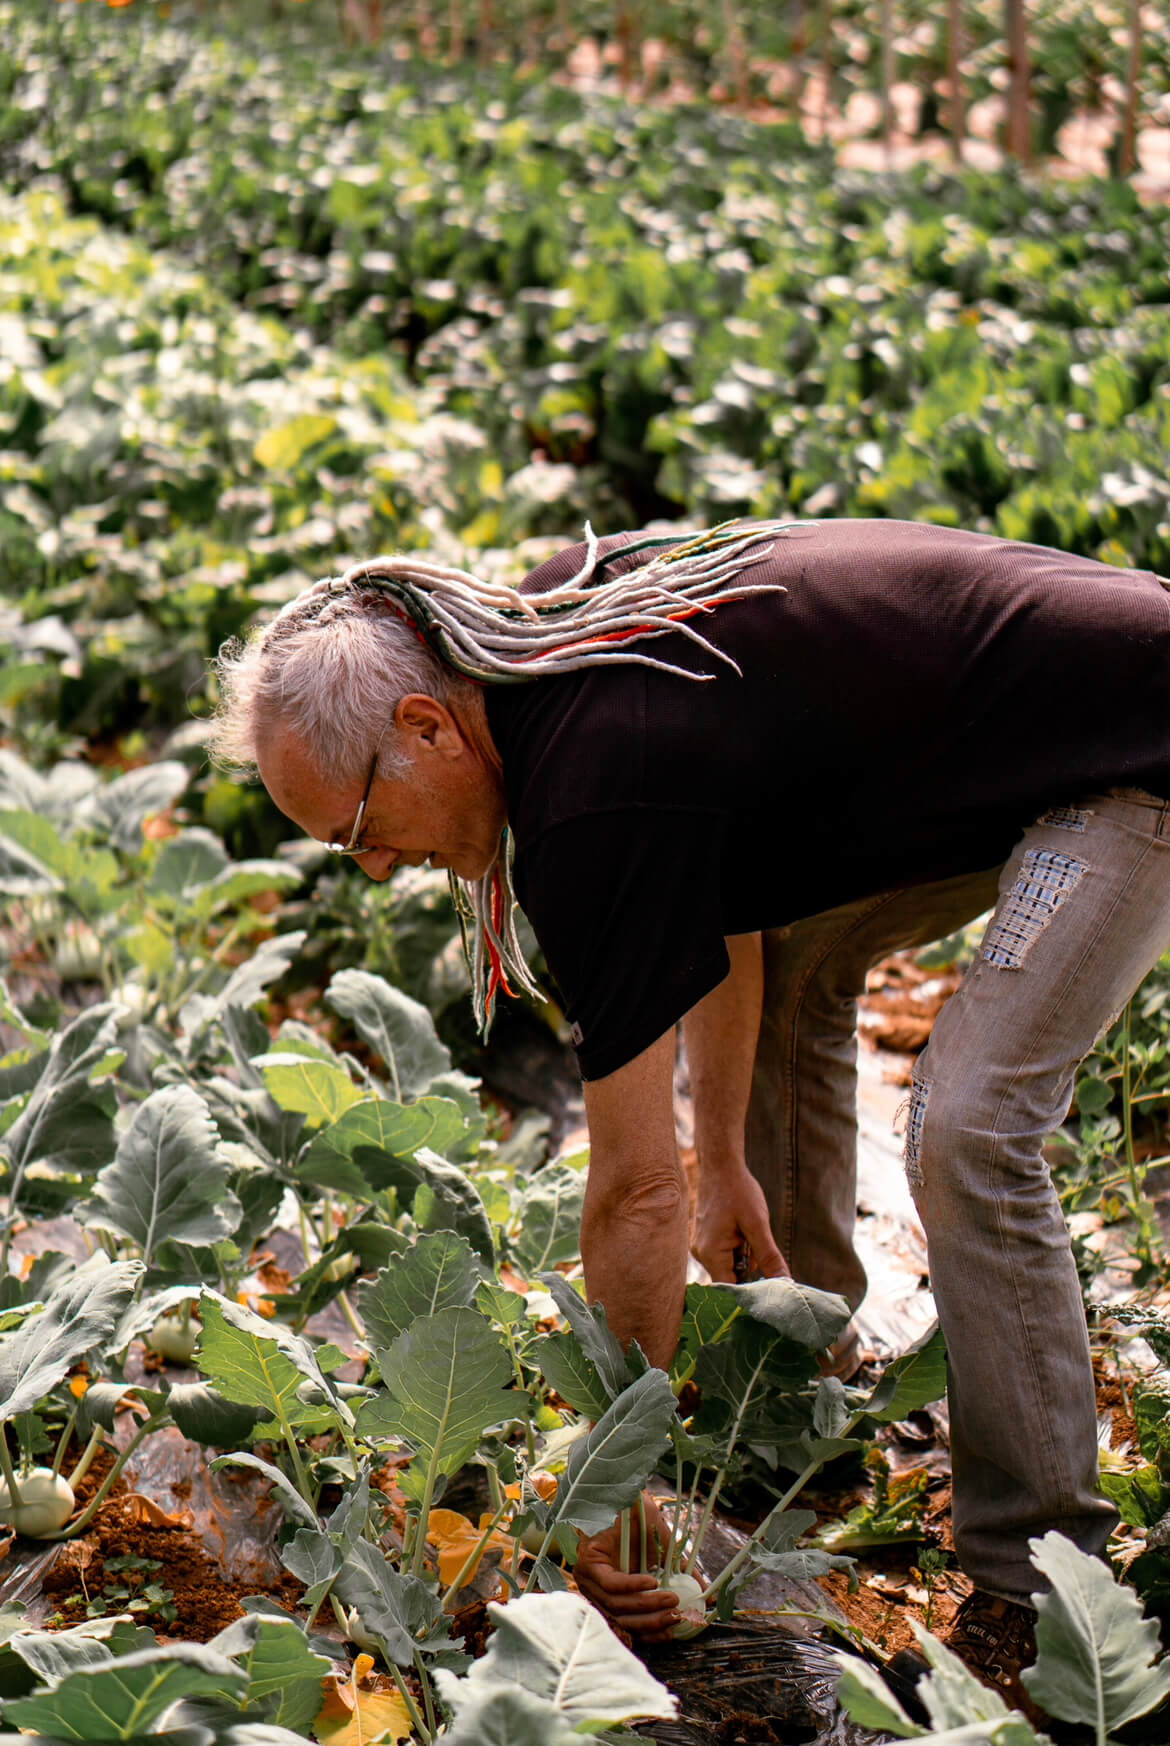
{"x":355,"y":846}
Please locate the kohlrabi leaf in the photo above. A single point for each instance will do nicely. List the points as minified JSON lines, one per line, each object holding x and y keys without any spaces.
{"x":566,"y":1367}
{"x":756,"y":1371}
{"x":440,"y":1195}
{"x":53,"y":1655}
{"x":914,"y":1379}
{"x":183,"y":864}
{"x":80,"y":1314}
{"x":445,"y":1379}
{"x":801,"y":1313}
{"x":394,"y":1026}
{"x":594,"y":1334}
{"x":66,"y":1124}
{"x":127,"y":1695}
{"x":867,"y":1700}
{"x":246,"y":983}
{"x":608,"y":1468}
{"x":549,"y":1218}
{"x":437,"y":1272}
{"x":206,"y":1416}
{"x":263,"y":1365}
{"x":295,"y":1506}
{"x":347,"y":1155}
{"x":961,"y":1708}
{"x":558,"y":1649}
{"x":314,"y":1559}
{"x":502,"y":1715}
{"x":308,"y":1086}
{"x":121,"y":806}
{"x":168,"y":1181}
{"x":1096,"y":1653}
{"x":283,"y":1674}
{"x":395,"y":1608}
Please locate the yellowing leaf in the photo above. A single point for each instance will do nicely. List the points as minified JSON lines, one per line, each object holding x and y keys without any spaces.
{"x":350,"y":1717}
{"x":454,"y":1537}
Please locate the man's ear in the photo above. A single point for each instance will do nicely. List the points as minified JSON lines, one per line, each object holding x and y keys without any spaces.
{"x":427,"y":725}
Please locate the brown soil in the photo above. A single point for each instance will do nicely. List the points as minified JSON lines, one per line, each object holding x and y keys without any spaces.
{"x":128,"y":1525}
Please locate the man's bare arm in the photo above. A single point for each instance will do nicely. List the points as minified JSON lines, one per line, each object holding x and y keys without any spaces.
{"x":721,"y":1036}
{"x":634,"y":1231}
{"x":635,"y":1223}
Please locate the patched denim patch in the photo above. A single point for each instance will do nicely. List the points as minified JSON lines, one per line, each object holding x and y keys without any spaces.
{"x":1045,"y":881}
{"x":1066,"y":818}
{"x":915,"y":1107}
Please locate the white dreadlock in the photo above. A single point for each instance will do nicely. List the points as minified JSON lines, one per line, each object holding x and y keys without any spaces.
{"x":492,"y":634}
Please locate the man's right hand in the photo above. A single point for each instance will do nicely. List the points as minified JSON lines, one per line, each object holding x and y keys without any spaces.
{"x":732,"y":1215}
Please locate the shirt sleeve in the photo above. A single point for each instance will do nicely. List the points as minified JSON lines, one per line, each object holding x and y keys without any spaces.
{"x":626,"y":907}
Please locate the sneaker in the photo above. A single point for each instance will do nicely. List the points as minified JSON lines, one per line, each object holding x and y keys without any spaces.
{"x":994,"y":1639}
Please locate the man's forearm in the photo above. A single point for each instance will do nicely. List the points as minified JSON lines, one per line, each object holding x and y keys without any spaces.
{"x":635,"y":1255}
{"x":721,"y":1035}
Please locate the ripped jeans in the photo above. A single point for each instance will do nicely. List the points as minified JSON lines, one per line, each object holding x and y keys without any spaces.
{"x":1082,"y":912}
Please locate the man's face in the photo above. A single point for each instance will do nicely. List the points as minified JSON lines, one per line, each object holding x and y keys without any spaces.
{"x":446,"y":808}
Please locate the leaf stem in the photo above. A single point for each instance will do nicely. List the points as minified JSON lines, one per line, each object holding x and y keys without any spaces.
{"x":14,"y":1498}
{"x":474,"y":1556}
{"x":63,"y":1439}
{"x":96,"y":1438}
{"x":421,"y":1672}
{"x":412,"y":1708}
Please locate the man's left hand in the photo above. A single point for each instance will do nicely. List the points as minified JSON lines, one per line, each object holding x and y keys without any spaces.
{"x":731,"y":1216}
{"x":631,"y":1598}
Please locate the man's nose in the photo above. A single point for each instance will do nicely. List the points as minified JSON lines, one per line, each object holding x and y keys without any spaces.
{"x":378,"y":864}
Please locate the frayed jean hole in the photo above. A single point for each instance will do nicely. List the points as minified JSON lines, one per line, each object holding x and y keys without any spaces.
{"x":914,"y":1111}
{"x":1046,"y":878}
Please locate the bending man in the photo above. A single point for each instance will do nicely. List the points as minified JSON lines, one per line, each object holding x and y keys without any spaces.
{"x":733,"y":775}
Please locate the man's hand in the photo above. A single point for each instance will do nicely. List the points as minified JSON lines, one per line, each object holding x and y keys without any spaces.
{"x":632,"y":1599}
{"x":732,"y":1216}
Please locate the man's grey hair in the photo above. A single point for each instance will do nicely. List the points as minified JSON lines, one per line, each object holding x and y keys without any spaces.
{"x":333,"y":671}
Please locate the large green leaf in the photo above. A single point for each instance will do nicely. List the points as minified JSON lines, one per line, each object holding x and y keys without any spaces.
{"x":1095,"y":1651}
{"x":608,"y":1468}
{"x":352,"y":1155}
{"x":445,"y":1378}
{"x":396,"y":1027}
{"x":283,"y":1674}
{"x":168,"y":1181}
{"x":800,"y":1312}
{"x":66,"y":1125}
{"x":261,"y":1364}
{"x":80,"y":1314}
{"x":437,"y":1272}
{"x":558,"y":1649}
{"x":549,"y":1218}
{"x":126,"y":1696}
{"x":912,"y":1381}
